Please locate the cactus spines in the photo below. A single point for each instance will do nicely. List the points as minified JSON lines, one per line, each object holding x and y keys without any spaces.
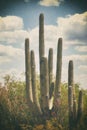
{"x":44,"y":84}
{"x":34,"y":84}
{"x":80,"y":105}
{"x":28,"y":72}
{"x":50,"y":66}
{"x":41,"y":35}
{"x":58,"y":72}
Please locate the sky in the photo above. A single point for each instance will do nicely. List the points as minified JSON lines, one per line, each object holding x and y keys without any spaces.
{"x":19,"y":19}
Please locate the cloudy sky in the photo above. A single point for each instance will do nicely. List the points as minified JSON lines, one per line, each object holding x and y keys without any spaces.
{"x":19,"y":19}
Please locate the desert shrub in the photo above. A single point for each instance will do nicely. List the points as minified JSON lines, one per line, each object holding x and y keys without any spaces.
{"x":16,"y":115}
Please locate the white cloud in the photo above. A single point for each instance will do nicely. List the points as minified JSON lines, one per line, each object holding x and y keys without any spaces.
{"x":82,"y":80}
{"x":10,"y":23}
{"x":50,"y":2}
{"x":10,"y":51}
{"x":76,"y":57}
{"x":51,"y":37}
{"x":11,"y":30}
{"x":73,"y":27}
{"x":83,"y":68}
{"x":81,"y":48}
{"x":4,"y":59}
{"x":17,"y":36}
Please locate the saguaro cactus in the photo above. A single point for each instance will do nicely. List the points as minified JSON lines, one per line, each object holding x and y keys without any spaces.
{"x":48,"y":105}
{"x":58,"y":74}
{"x":41,"y":54}
{"x":34,"y":84}
{"x":28,"y":72}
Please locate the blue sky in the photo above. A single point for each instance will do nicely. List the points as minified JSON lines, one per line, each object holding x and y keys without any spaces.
{"x":63,"y":18}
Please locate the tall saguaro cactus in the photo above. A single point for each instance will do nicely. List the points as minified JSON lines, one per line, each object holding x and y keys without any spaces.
{"x":28,"y":72}
{"x":58,"y":73}
{"x":50,"y":92}
{"x":41,"y":55}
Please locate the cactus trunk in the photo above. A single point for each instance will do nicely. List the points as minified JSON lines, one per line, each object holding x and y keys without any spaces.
{"x":34,"y":84}
{"x":80,"y":106}
{"x":70,"y":103}
{"x":41,"y":55}
{"x":50,"y":66}
{"x":58,"y":74}
{"x":41,"y":36}
{"x":74,"y":113}
{"x":70,"y":73}
{"x":51,"y":84}
{"x":28,"y":72}
{"x":70,"y":93}
{"x":44,"y":84}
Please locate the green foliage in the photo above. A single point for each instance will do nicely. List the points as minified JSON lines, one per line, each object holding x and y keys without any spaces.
{"x":15,"y":113}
